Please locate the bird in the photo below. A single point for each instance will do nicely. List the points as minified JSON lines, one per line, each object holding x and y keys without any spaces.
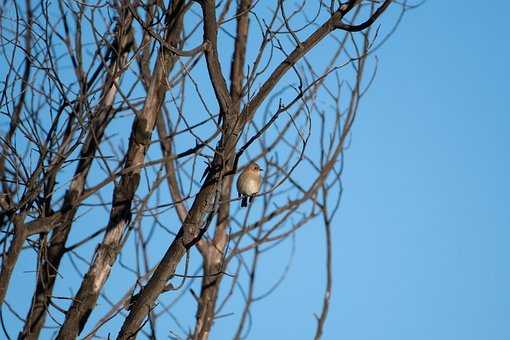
{"x":248,"y":183}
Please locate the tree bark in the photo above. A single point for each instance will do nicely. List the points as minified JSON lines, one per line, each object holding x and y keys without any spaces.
{"x":120,"y":215}
{"x":49,"y":265}
{"x":213,"y":262}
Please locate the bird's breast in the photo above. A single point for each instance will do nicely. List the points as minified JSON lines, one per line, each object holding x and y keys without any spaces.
{"x":248,"y":186}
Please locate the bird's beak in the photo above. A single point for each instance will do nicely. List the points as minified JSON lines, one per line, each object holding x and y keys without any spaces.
{"x":261,"y":169}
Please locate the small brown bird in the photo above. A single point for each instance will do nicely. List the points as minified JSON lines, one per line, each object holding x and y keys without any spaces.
{"x":248,"y":183}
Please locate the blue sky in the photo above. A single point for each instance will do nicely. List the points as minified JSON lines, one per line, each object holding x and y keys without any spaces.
{"x":421,"y":240}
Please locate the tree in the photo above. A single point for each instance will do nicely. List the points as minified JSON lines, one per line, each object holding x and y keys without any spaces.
{"x":206,"y":87}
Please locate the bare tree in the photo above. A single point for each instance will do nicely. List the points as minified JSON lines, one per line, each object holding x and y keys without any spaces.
{"x":90,"y":203}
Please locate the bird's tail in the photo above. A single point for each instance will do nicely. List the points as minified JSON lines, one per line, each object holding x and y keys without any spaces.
{"x":244,"y":202}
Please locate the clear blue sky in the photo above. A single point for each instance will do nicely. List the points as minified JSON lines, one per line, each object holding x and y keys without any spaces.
{"x":422,"y":238}
{"x":421,"y":242}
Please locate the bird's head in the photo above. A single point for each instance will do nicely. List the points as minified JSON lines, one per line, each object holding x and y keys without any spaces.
{"x":255,"y":168}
